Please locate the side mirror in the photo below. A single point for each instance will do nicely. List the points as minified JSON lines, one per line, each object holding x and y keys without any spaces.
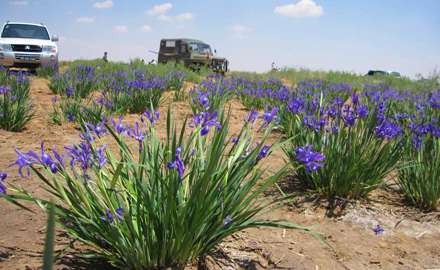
{"x":215,"y":51}
{"x":54,"y":38}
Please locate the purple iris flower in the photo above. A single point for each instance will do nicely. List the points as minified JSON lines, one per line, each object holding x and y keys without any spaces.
{"x":108,"y":217}
{"x":349,"y":118}
{"x":118,"y":126}
{"x":295,"y":105}
{"x":362,"y":111}
{"x":70,"y":117}
{"x":311,"y":159}
{"x":203,"y":99}
{"x":206,"y":120}
{"x":381,"y":112}
{"x":378,"y":230}
{"x":270,"y":116}
{"x":227,"y":220}
{"x":401,"y":116}
{"x":120,"y":213}
{"x":99,"y":129}
{"x":338,"y":101}
{"x":87,"y":136}
{"x":45,"y":157}
{"x":388,"y":130}
{"x":177,"y":163}
{"x":46,"y":160}
{"x":435,"y":131}
{"x":100,"y":157}
{"x":152,"y":116}
{"x":263,"y":152}
{"x":23,"y":162}
{"x":58,"y":158}
{"x":253,"y":115}
{"x":416,"y":141}
{"x":138,"y":134}
{"x":332,"y":112}
{"x":69,"y":91}
{"x":100,"y":100}
{"x":4,"y":90}
{"x":82,"y":155}
{"x":355,"y":98}
{"x":314,"y":124}
{"x":434,"y":100}
{"x":3,"y":177}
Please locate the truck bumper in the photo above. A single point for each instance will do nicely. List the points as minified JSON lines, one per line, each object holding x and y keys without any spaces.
{"x":27,"y":59}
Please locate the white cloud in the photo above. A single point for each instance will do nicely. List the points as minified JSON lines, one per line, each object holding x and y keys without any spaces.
{"x":160,"y":9}
{"x":146,"y":28}
{"x":303,"y":8}
{"x":19,"y":3}
{"x":120,"y":29}
{"x":183,"y":17}
{"x":104,"y":4}
{"x":85,"y":19}
{"x":240,"y":31}
{"x":187,"y":16}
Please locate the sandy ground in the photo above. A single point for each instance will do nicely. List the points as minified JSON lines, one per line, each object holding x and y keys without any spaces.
{"x":411,"y":239}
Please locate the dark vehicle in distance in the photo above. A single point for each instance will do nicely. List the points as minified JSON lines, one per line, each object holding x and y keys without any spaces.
{"x":192,"y":54}
{"x":383,"y":73}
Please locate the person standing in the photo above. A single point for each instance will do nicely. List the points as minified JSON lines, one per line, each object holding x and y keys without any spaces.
{"x":105,"y":57}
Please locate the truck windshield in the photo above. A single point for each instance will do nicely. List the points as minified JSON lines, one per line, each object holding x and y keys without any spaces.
{"x":25,"y":31}
{"x":200,"y":48}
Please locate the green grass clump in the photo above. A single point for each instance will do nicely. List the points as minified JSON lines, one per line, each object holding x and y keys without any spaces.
{"x":15,"y":106}
{"x":157,"y":203}
{"x":420,"y":178}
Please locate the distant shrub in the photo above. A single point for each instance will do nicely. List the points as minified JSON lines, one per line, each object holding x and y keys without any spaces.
{"x":211,"y":95}
{"x":79,"y":81}
{"x":295,"y":75}
{"x":123,"y":94}
{"x":47,"y":71}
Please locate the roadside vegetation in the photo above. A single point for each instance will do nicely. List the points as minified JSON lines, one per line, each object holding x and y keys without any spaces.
{"x":294,"y":76}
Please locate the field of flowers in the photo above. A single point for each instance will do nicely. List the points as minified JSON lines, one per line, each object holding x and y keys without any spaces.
{"x":142,"y":190}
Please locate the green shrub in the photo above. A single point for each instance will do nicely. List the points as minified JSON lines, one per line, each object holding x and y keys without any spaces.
{"x":360,"y":145}
{"x":420,"y":178}
{"x":157,"y":203}
{"x":15,"y":105}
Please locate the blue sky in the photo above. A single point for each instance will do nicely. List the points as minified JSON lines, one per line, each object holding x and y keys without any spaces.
{"x":318,"y":34}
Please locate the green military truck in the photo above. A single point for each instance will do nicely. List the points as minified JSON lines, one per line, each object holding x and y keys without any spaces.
{"x":192,"y":53}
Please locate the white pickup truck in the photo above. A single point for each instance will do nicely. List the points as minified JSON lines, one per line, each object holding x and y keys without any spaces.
{"x":27,"y":45}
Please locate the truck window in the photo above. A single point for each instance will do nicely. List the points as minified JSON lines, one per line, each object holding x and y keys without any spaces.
{"x":170,"y":43}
